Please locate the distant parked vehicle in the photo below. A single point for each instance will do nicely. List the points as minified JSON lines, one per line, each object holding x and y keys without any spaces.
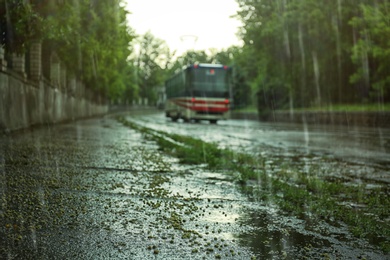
{"x":199,"y":92}
{"x":161,"y":97}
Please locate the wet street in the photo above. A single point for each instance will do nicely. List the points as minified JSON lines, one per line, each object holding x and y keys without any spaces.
{"x":368,"y":146}
{"x":365,"y":150}
{"x":98,"y":189}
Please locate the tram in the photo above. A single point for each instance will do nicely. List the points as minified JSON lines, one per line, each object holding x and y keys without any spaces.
{"x":199,"y":92}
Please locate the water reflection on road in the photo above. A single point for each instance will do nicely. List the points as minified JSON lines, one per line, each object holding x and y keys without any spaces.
{"x":365,"y":147}
{"x":354,"y":153}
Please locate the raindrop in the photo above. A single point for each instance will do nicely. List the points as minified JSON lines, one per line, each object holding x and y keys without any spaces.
{"x":306,"y":136}
{"x":3,"y":179}
{"x":286,"y":42}
{"x":302,"y":51}
{"x":41,"y":196}
{"x":335,"y":22}
{"x":317,"y":76}
{"x":365,"y":66}
{"x":382,"y":140}
{"x":34,"y":239}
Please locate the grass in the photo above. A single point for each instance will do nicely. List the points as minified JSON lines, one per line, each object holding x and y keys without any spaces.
{"x":329,"y":108}
{"x":347,"y":108}
{"x":292,"y":190}
{"x":248,"y":109}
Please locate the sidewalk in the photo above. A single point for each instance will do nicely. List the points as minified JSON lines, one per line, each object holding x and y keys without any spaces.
{"x":96,"y":189}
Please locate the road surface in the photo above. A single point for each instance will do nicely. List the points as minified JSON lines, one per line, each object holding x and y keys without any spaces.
{"x":96,"y":189}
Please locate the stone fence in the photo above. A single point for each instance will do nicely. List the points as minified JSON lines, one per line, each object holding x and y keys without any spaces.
{"x":29,"y":98}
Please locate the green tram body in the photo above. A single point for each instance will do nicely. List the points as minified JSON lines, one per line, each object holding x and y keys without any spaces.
{"x":199,"y":92}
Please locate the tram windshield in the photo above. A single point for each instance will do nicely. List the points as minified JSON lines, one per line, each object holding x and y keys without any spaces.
{"x":212,"y":82}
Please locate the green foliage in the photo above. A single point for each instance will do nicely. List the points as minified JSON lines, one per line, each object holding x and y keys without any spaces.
{"x":189,"y":57}
{"x":152,"y":62}
{"x":104,"y":45}
{"x":298,"y":53}
{"x":90,"y":38}
{"x":371,"y":53}
{"x":241,"y":90}
{"x":349,"y":108}
{"x":19,"y":25}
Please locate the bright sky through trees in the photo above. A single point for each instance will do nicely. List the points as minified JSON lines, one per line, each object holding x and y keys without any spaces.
{"x":169,"y":20}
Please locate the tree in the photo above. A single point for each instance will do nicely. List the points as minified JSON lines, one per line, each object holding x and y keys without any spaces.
{"x":371,"y":52}
{"x":300,"y":49}
{"x":19,"y":25}
{"x":152,"y":61}
{"x":90,"y":37}
{"x":104,"y":46}
{"x":189,"y":57}
{"x":241,"y":91}
{"x":266,"y":51}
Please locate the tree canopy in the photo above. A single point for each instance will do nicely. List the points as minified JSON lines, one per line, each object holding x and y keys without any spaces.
{"x":91,"y":38}
{"x":152,"y":61}
{"x":296,"y":53}
{"x":304,"y":52}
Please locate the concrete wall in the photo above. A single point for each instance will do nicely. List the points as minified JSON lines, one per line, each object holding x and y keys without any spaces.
{"x":26,"y":103}
{"x":29,"y":98}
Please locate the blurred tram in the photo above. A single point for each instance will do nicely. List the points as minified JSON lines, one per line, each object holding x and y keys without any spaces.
{"x":199,"y":92}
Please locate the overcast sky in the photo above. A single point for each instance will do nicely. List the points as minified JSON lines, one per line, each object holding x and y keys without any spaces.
{"x":207,"y":20}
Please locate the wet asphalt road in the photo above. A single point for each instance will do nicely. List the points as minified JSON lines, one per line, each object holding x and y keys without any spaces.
{"x":96,"y":189}
{"x":364,"y":148}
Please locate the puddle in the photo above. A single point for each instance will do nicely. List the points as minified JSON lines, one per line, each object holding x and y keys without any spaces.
{"x":275,"y":236}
